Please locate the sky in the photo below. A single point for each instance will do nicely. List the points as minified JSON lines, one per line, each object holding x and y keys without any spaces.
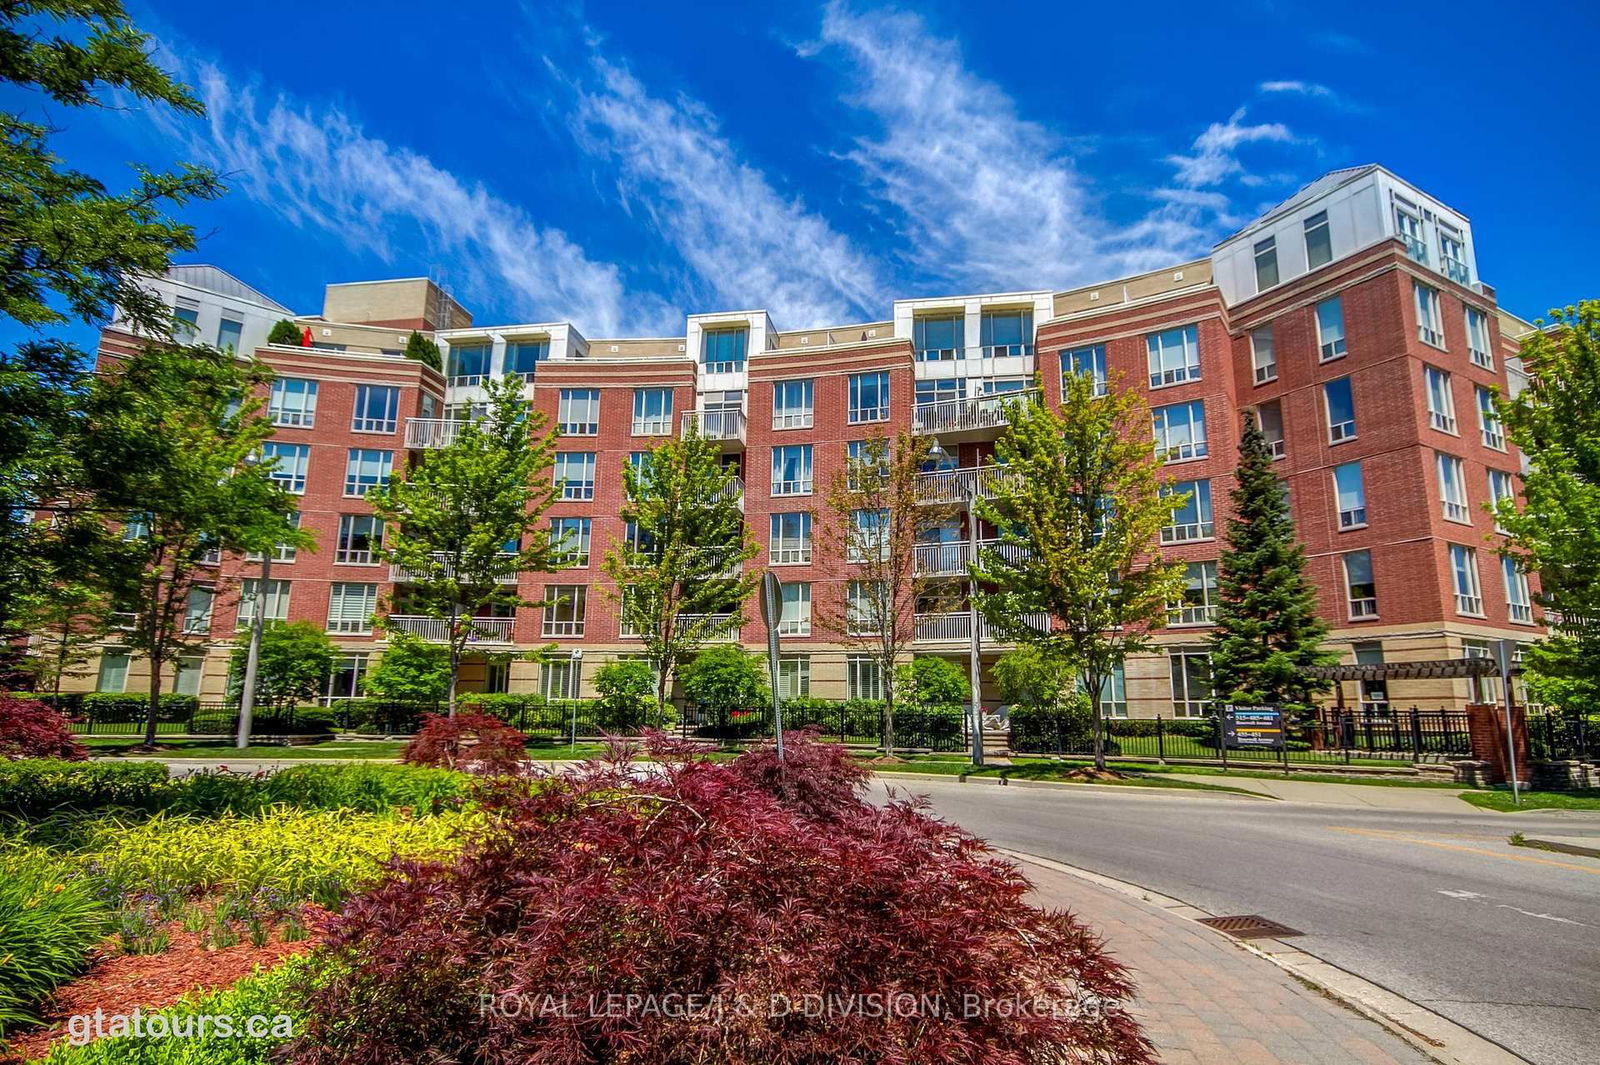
{"x":620,"y":165}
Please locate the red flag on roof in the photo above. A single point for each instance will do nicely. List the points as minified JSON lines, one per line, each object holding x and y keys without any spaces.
{"x":305,"y":338}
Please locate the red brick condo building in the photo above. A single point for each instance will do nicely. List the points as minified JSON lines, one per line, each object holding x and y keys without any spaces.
{"x":1350,"y":319}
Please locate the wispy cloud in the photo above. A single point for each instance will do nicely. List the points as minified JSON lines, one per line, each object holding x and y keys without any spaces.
{"x":316,"y":167}
{"x":1214,"y":154}
{"x":750,"y":244}
{"x":1302,"y":88}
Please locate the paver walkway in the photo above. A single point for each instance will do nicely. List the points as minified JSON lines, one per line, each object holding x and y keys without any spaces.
{"x":1205,"y":1000}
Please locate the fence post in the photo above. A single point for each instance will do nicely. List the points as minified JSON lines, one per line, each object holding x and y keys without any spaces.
{"x":1416,"y":735}
{"x":1161,"y":742}
{"x":1222,"y":741}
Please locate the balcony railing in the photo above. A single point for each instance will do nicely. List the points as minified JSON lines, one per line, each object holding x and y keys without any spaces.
{"x":437,"y":630}
{"x":432,"y":432}
{"x":952,"y":559}
{"x":957,"y":627}
{"x":955,"y":486}
{"x":716,"y":424}
{"x":735,"y":489}
{"x":401,"y":575}
{"x":974,"y":412}
{"x":628,"y":632}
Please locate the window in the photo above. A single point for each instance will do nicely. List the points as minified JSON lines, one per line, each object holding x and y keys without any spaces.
{"x":1478,"y":339}
{"x":188,"y":317}
{"x":1519,"y":604}
{"x":1262,"y":355}
{"x":467,"y":365}
{"x":1453,"y":256}
{"x":569,"y":540}
{"x":293,"y":402}
{"x":230,"y":335}
{"x":1330,"y":329}
{"x":652,"y":412}
{"x":793,"y":403}
{"x":869,"y":397}
{"x":1319,"y":243}
{"x":565,"y":608}
{"x":1351,"y":494}
{"x":275,"y":601}
{"x":1192,"y":521}
{"x":1452,"y":488}
{"x":348,"y":675}
{"x":791,"y":470}
{"x":1464,"y":571}
{"x":290,"y":464}
{"x":1409,"y":227}
{"x":1174,"y":356}
{"x":723,"y":350}
{"x":197,"y":611}
{"x":860,"y":470}
{"x":1199,"y":603}
{"x":937,"y":338}
{"x":1441,"y":403}
{"x":1266,"y":263}
{"x":1374,"y":693}
{"x":523,"y":356}
{"x":640,"y":540}
{"x":1494,"y":434}
{"x":1360,"y":592}
{"x":869,"y":537}
{"x":377,"y":409}
{"x":1269,"y":418}
{"x":497,"y":677}
{"x":1428,"y":328}
{"x":366,"y":469}
{"x":359,"y":536}
{"x":574,"y":472}
{"x":794,"y":676}
{"x":559,"y":677}
{"x":191,"y":669}
{"x":1180,"y":431}
{"x":1340,"y":405}
{"x":790,"y":538}
{"x":351,"y":606}
{"x":863,"y":679}
{"x":1501,"y":487}
{"x":283,"y":552}
{"x":942,"y":390}
{"x":863,"y":608}
{"x":579,"y":411}
{"x":1004,"y":333}
{"x":1114,"y":692}
{"x":1191,"y":683}
{"x":113,"y":672}
{"x":1090,"y":361}
{"x":796,"y":613}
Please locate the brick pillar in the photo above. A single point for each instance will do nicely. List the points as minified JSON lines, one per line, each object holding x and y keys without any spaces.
{"x":1487,"y":725}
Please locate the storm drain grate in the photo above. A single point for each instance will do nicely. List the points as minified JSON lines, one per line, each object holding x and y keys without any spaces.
{"x":1250,"y":926}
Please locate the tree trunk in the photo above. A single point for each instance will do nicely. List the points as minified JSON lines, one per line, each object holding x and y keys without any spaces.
{"x":661,"y":694}
{"x":888,"y":718}
{"x":1094,"y":682}
{"x":155,"y":699}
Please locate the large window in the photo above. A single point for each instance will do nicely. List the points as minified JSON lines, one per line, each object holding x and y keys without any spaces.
{"x":1351,"y":493}
{"x":274,"y":601}
{"x":1361,"y":593}
{"x":1452,"y":487}
{"x":723,"y":350}
{"x":565,"y":609}
{"x":359,"y":537}
{"x":1464,"y":575}
{"x":1199,"y":603}
{"x":524,"y":356}
{"x":1190,"y":671}
{"x":1319,"y":243}
{"x":377,"y":409}
{"x":796,"y":611}
{"x":230,"y":334}
{"x":1339,"y":403}
{"x":937,"y":338}
{"x":291,"y":462}
{"x":1114,"y":692}
{"x":1453,"y":255}
{"x":793,"y":404}
{"x":579,"y":412}
{"x":1519,"y":603}
{"x":351,"y":606}
{"x":1502,"y":486}
{"x":366,"y":469}
{"x":869,"y":537}
{"x":791,"y":470}
{"x":348,"y":675}
{"x":197,"y":611}
{"x":1266,"y":253}
{"x":1493,"y":432}
{"x":559,"y":678}
{"x":863,"y":679}
{"x":113,"y":671}
{"x":1090,"y":361}
{"x":574,"y":472}
{"x":1330,"y":329}
{"x":652,"y":412}
{"x":863,"y":608}
{"x":1269,"y":418}
{"x":1173,"y":355}
{"x":1180,"y":431}
{"x":794,"y":676}
{"x":1478,"y":339}
{"x":293,"y":402}
{"x":1263,"y":355}
{"x":869,"y":397}
{"x":467,"y":365}
{"x":790,"y":538}
{"x":569,"y":540}
{"x":1441,"y":402}
{"x":1192,"y":521}
{"x":1429,"y":328}
{"x":1006,"y":333}
{"x":1409,"y":226}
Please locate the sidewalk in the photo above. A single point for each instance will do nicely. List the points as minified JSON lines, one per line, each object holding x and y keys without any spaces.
{"x":1407,"y":800}
{"x":1205,"y":1000}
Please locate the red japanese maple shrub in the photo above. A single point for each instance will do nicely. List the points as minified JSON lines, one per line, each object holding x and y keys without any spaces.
{"x":754,"y":912}
{"x":30,"y":729}
{"x":476,"y":743}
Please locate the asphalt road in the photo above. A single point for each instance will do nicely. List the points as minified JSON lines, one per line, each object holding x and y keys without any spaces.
{"x":1439,"y":908}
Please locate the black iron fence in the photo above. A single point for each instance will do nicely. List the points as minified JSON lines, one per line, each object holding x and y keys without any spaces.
{"x":941,"y":728}
{"x":1564,"y":737}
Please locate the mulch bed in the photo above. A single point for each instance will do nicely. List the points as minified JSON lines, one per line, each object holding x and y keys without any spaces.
{"x":117,"y":983}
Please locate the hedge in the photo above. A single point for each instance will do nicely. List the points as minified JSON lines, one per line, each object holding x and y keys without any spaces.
{"x":36,"y":787}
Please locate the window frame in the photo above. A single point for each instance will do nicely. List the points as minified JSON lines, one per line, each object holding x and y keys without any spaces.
{"x":1317,"y":224}
{"x":786,"y":550}
{"x":1430,"y":323}
{"x":652,"y":411}
{"x":1464,"y":564}
{"x":340,"y":621}
{"x":355,"y":466}
{"x":1359,"y":607}
{"x":576,"y":489}
{"x":364,"y":422}
{"x":1352,"y":517}
{"x":293,"y":477}
{"x":1264,"y":255}
{"x":1491,"y":430}
{"x":1197,"y":446}
{"x":299,"y":415}
{"x":1158,"y":351}
{"x":578,"y":411}
{"x":1343,"y":430}
{"x":1073,"y":360}
{"x":1204,"y":526}
{"x":1265,"y":369}
{"x":859,"y":414}
{"x":1437,"y":386}
{"x":801,"y":485}
{"x":785,"y":415}
{"x":1339,"y":345}
{"x":1184,"y":705}
{"x":566,"y":611}
{"x":344,"y":555}
{"x":578,"y":557}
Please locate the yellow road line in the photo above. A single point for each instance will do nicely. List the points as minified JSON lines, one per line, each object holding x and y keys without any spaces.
{"x":1397,"y":837}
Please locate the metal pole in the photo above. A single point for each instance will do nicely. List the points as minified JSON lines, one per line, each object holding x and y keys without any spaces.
{"x":247,"y":696}
{"x":1504,"y":649}
{"x":975,"y":663}
{"x":772,"y":616}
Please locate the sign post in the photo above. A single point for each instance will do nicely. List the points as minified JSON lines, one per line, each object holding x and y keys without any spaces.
{"x":771,"y":616}
{"x":1504,"y":653}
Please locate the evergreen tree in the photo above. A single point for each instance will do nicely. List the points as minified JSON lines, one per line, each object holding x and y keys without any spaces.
{"x":423,"y":350}
{"x":285,"y":332}
{"x":1267,"y":630}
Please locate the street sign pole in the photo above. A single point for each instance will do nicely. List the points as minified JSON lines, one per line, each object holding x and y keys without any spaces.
{"x":1504,"y":650}
{"x":771,"y":616}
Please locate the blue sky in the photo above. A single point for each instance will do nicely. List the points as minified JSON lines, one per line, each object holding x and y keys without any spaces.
{"x":620,"y":165}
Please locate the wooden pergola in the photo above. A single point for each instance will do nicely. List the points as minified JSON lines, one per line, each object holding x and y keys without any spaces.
{"x":1430,"y":669}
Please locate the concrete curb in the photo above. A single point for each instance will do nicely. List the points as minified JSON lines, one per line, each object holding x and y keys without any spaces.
{"x":1052,"y":785}
{"x":1441,"y":1039}
{"x":1563,"y":845}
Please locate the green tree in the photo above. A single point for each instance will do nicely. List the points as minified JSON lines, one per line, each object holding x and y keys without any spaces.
{"x":295,"y":661}
{"x":725,"y":678}
{"x":627,"y":690}
{"x":423,"y":350}
{"x":176,"y":452}
{"x":1267,"y":633}
{"x":1079,"y":510}
{"x":285,"y":332}
{"x":1027,"y":676}
{"x":1555,"y":532}
{"x":66,"y":622}
{"x":873,"y":528}
{"x":928,"y":681}
{"x":467,"y":521}
{"x":679,"y":580}
{"x":411,"y":670}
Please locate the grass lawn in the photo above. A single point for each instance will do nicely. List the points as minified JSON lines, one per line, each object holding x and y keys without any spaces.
{"x":1500,"y":799}
{"x":955,"y":765}
{"x":374,"y":750}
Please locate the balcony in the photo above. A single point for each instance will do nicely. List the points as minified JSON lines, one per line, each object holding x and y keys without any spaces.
{"x":952,"y":559}
{"x":486,"y":631}
{"x":627,"y":632}
{"x":432,"y":432}
{"x":956,"y":486}
{"x":727,"y":426}
{"x":970,"y":418}
{"x":735,"y":489}
{"x":956,"y":627}
{"x":401,"y":575}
